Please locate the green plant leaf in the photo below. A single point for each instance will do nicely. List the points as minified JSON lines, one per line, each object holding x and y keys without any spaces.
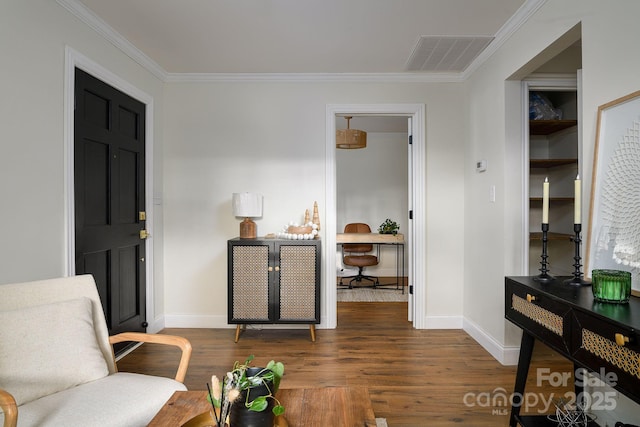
{"x":278,"y":410}
{"x":259,"y":404}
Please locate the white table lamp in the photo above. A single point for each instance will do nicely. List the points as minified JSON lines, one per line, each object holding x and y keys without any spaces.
{"x":247,"y":206}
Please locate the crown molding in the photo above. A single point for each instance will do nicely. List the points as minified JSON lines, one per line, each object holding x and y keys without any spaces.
{"x":110,"y":34}
{"x":504,"y":33}
{"x":96,"y":23}
{"x":314,"y":77}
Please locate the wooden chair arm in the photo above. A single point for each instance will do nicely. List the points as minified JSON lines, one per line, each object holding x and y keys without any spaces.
{"x":177,"y":341}
{"x":10,"y":409}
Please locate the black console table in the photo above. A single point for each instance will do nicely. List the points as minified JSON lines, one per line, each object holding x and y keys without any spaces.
{"x":597,"y":336}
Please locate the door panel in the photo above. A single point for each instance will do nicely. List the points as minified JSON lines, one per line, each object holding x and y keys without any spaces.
{"x":109,"y":196}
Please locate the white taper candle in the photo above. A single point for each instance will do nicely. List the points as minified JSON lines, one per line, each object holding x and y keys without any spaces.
{"x":577,"y":219}
{"x":545,"y":201}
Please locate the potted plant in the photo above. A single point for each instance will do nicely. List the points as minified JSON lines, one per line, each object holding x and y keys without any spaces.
{"x":246,"y":395}
{"x":389,"y":227}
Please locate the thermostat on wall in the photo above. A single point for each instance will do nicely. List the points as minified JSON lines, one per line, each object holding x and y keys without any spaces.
{"x":481,"y":165}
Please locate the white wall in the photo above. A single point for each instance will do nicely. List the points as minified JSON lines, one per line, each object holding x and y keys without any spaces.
{"x":269,"y":137}
{"x":33,"y":36}
{"x":493,"y":230}
{"x":372,"y":185}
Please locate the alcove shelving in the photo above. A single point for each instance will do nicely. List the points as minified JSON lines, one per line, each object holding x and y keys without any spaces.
{"x":553,"y":155}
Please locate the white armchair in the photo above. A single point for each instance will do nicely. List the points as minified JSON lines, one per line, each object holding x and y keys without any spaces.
{"x":57,"y":366}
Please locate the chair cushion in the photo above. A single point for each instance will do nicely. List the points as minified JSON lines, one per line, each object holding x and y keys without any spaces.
{"x":361,"y":260}
{"x":48,"y":348}
{"x":122,"y":399}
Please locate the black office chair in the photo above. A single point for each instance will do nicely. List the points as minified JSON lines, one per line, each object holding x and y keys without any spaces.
{"x":358,"y":255}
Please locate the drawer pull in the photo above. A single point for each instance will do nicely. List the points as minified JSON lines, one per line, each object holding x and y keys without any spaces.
{"x":270,"y":268}
{"x":531,"y":298}
{"x":621,"y":340}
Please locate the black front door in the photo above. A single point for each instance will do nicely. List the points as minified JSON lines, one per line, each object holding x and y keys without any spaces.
{"x":109,"y":163}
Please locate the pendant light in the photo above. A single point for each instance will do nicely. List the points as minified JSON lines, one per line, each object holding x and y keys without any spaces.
{"x":350,"y":138}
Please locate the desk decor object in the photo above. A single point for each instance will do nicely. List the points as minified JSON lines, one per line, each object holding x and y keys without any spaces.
{"x":577,"y":278}
{"x":569,"y":415}
{"x":388,"y":227}
{"x":309,"y":229}
{"x":544,"y":275}
{"x":246,"y":395}
{"x":612,"y":286}
{"x":613,"y":241}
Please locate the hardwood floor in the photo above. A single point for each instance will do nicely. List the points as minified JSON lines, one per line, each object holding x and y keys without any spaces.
{"x":415,"y":377}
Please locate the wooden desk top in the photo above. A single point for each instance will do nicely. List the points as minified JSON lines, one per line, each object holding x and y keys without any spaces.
{"x":304,"y":407}
{"x":369,"y":238}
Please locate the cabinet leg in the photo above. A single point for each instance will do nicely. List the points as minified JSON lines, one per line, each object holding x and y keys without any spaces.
{"x":524,"y":360}
{"x":239,"y":329}
{"x":312,"y":331}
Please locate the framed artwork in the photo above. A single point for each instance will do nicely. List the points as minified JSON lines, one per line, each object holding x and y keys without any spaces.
{"x":613,"y":241}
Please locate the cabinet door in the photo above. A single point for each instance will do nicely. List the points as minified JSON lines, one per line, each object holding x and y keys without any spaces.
{"x":248,"y":283}
{"x":297,"y":294}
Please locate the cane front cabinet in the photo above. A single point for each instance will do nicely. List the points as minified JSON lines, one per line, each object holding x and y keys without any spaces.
{"x":273,"y":281}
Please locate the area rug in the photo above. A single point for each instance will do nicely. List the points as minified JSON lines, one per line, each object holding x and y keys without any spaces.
{"x":372,"y":295}
{"x":381,"y":422}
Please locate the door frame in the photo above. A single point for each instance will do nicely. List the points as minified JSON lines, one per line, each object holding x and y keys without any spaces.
{"x":73,"y":60}
{"x":417,"y":276}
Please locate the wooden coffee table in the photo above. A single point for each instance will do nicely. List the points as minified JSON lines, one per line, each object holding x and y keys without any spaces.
{"x":304,"y":407}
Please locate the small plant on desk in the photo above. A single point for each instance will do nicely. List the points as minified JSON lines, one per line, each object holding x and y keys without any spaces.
{"x":389,"y":227}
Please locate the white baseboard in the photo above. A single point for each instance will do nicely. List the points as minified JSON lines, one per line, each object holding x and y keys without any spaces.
{"x":443,"y":322}
{"x":156,"y":325}
{"x":196,"y":321}
{"x":507,"y":356}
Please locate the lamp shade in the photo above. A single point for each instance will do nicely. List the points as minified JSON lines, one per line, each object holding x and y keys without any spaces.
{"x":247,"y":205}
{"x":350,"y":138}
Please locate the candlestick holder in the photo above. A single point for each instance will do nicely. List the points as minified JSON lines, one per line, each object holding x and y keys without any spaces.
{"x":544,"y":276}
{"x":577,"y":279}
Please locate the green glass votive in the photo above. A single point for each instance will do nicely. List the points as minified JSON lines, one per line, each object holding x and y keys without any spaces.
{"x":611,"y":285}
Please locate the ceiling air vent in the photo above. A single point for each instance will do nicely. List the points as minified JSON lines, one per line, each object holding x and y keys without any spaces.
{"x":446,"y":54}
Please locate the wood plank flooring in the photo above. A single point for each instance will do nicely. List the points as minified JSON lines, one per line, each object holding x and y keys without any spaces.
{"x":415,"y":377}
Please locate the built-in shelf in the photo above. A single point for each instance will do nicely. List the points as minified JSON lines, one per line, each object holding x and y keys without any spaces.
{"x":547,"y":127}
{"x":552,"y":199}
{"x":537,"y":235}
{"x":551,"y":163}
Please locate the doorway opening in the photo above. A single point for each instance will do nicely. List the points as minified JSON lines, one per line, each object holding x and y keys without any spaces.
{"x":415,"y":229}
{"x":372,"y":189}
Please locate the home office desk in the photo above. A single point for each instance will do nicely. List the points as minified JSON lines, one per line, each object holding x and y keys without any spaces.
{"x":396,"y":240}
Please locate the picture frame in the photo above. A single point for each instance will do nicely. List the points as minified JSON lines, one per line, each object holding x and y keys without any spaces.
{"x":613,"y":240}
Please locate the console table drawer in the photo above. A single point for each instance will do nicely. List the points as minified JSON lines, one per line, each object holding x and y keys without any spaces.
{"x":615,"y":348}
{"x":538,"y":314}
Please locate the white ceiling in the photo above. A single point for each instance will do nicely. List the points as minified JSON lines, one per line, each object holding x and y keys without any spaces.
{"x":399,"y":38}
{"x":307,"y":36}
